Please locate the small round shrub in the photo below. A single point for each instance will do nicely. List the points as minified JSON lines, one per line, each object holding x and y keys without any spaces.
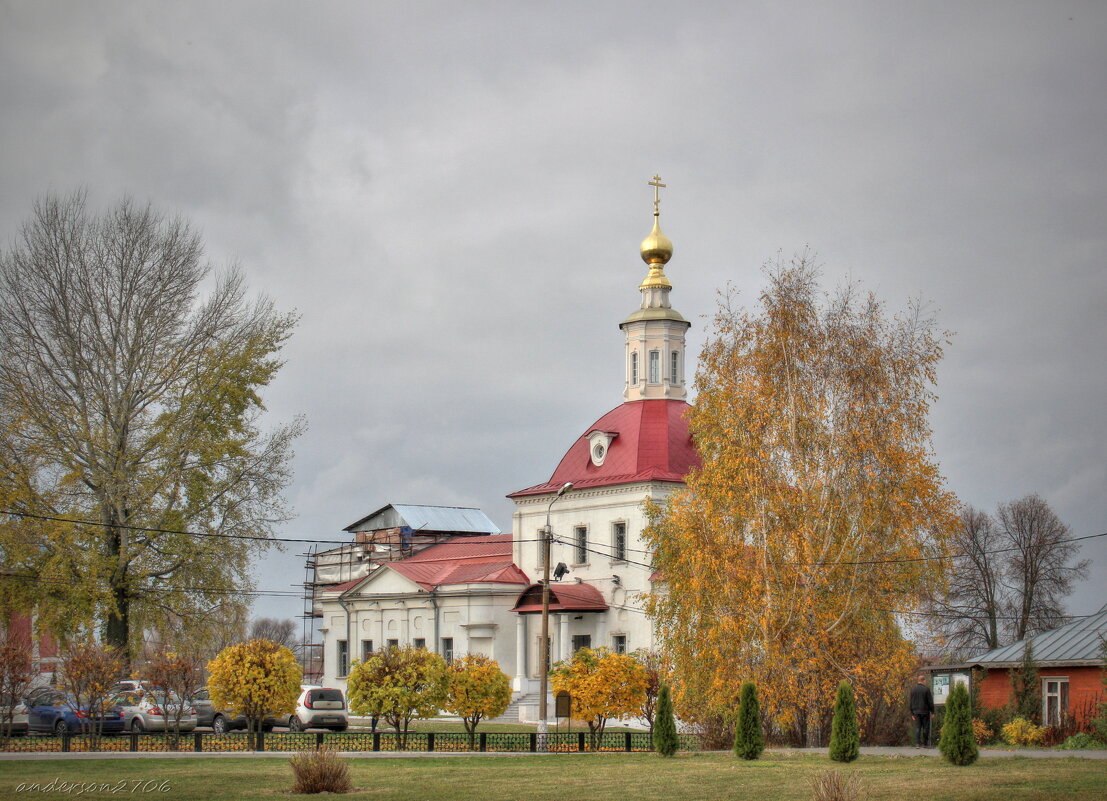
{"x":320,"y":771}
{"x":981,"y":732}
{"x":1082,"y":740}
{"x":1021,"y":731}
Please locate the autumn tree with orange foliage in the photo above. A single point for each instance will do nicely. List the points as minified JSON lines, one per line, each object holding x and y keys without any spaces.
{"x":603,"y":685}
{"x":807,"y":526}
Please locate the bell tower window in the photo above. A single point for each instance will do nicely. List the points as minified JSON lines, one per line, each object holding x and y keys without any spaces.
{"x":634,"y":368}
{"x":674,"y":367}
{"x":655,"y":367}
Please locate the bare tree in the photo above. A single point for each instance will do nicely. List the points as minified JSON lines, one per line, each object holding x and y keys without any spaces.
{"x":1009,"y":579}
{"x":282,"y":632}
{"x":969,"y":607}
{"x":178,"y":677}
{"x":134,"y":404}
{"x":1037,"y":571}
{"x":88,"y":671}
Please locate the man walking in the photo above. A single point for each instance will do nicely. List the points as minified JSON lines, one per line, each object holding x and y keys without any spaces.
{"x":922,"y":707}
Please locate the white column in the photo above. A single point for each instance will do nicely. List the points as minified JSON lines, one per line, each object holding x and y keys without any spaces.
{"x":563,"y":635}
{"x":520,"y":649}
{"x":405,"y":626}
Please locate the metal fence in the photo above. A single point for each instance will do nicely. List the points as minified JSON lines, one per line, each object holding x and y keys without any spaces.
{"x":386,"y":741}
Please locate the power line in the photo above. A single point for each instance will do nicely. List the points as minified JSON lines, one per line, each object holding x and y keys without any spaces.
{"x":476,"y":539}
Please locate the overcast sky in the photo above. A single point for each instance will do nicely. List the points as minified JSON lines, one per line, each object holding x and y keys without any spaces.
{"x":452,"y":196}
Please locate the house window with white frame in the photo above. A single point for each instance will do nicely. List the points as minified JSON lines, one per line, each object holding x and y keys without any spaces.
{"x":1055,"y":700}
{"x":619,"y":542}
{"x":580,"y":537}
{"x":674,"y":367}
{"x":655,"y":367}
{"x":448,"y":649}
{"x":634,"y":368}
{"x":366,"y":650}
{"x":619,"y":643}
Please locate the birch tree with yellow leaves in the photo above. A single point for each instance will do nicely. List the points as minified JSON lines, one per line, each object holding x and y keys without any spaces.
{"x":817,"y":507}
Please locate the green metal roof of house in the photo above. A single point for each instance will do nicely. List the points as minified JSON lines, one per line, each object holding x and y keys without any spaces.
{"x":1077,"y":643}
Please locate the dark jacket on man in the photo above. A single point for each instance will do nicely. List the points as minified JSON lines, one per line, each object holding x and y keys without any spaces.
{"x":922,"y":700}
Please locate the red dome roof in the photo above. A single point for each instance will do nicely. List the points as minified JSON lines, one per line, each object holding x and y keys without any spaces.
{"x":651,"y":443}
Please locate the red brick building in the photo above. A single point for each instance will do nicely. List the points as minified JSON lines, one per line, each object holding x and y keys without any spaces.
{"x":1070,"y":666}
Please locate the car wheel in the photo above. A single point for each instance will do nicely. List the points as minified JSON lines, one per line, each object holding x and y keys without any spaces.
{"x":60,"y":728}
{"x":137,"y":727}
{"x":219,"y":725}
{"x":295,"y":724}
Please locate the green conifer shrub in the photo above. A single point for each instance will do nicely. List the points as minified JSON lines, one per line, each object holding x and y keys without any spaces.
{"x":845,"y":740}
{"x":748,"y":739}
{"x":665,"y":740}
{"x":957,"y":743}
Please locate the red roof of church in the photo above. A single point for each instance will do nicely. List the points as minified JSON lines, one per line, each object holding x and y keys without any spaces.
{"x":563,"y":598}
{"x":463,"y":560}
{"x":652,"y":443}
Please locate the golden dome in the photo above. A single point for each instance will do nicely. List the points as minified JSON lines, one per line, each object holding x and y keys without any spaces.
{"x":656,"y":248}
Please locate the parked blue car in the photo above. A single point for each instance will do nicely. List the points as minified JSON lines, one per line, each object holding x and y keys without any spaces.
{"x":56,"y":713}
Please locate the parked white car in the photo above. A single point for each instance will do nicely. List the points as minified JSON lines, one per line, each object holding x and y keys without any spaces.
{"x":319,"y":708}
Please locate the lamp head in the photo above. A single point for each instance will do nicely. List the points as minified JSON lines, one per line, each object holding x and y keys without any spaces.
{"x":568,"y":486}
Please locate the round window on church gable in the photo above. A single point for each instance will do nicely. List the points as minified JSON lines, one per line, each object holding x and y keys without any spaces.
{"x":600,"y":442}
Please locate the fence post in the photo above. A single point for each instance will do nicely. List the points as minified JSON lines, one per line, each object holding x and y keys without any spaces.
{"x":261,"y":739}
{"x":65,"y":742}
{"x":580,"y":740}
{"x":627,"y":734}
{"x":134,"y":741}
{"x":534,"y":742}
{"x":318,"y":739}
{"x":376,"y":741}
{"x":483,"y":741}
{"x":197,"y":742}
{"x":430,"y":740}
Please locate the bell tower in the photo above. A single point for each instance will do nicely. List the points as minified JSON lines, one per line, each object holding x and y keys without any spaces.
{"x":655,"y":367}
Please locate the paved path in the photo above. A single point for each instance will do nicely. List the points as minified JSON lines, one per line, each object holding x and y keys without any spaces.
{"x":931,"y":753}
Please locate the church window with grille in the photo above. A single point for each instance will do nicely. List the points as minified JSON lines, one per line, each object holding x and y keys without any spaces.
{"x":619,"y":542}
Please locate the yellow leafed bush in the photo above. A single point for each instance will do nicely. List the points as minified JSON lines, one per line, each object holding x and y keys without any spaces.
{"x":1021,"y":731}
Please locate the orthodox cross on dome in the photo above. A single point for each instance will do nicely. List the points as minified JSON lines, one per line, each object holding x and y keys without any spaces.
{"x":657,"y":187}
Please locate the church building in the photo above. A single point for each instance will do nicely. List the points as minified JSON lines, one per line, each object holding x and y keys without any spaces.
{"x":481,"y":592}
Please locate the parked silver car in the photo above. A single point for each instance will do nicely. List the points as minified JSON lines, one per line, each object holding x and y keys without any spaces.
{"x":319,"y":708}
{"x":150,"y":711}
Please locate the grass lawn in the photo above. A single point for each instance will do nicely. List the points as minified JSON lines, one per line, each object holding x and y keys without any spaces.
{"x":641,"y":777}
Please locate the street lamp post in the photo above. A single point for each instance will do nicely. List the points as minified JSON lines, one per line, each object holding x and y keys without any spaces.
{"x":544,"y":647}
